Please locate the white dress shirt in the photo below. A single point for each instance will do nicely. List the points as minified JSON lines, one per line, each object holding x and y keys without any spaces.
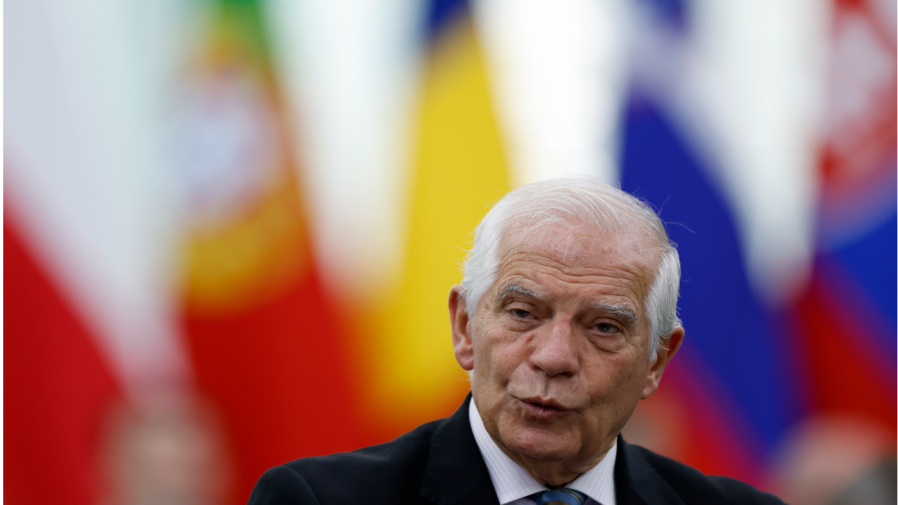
{"x":513,"y":484}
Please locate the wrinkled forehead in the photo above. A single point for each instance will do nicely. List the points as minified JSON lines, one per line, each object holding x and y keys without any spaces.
{"x":578,"y":244}
{"x":581,"y":266}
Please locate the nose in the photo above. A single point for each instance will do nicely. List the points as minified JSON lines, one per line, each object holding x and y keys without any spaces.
{"x":555,"y":351}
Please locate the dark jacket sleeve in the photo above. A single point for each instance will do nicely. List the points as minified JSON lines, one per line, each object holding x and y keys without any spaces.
{"x":742,"y":493}
{"x":282,"y":485}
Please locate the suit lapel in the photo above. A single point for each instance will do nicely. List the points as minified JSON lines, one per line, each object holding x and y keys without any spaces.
{"x":636,"y":482}
{"x":456,"y":473}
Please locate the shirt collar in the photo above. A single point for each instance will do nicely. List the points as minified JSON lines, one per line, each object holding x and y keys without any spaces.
{"x":512,"y":482}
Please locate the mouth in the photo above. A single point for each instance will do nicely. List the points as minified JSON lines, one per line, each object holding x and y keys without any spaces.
{"x":541,"y":407}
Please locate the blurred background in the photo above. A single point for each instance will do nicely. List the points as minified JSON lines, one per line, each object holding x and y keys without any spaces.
{"x":231,"y":226}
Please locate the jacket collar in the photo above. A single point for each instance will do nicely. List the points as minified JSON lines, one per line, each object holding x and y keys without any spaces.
{"x":456,"y":473}
{"x":636,"y":482}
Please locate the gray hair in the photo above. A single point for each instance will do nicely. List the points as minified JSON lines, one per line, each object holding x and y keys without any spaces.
{"x":572,"y":202}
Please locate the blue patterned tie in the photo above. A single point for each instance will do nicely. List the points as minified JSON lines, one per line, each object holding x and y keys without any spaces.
{"x":560,"y":496}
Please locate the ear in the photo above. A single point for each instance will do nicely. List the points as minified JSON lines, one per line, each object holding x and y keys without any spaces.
{"x":461,"y":338}
{"x":667,"y":350}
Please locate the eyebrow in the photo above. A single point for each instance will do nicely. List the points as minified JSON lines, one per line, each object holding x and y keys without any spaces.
{"x":517,"y":289}
{"x":621,"y":311}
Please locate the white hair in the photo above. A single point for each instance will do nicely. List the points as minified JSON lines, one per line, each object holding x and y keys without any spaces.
{"x":573,"y":202}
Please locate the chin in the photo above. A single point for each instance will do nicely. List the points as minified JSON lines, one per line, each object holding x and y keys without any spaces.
{"x":542,"y":445}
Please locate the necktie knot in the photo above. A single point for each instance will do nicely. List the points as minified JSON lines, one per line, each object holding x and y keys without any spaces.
{"x":560,"y":496}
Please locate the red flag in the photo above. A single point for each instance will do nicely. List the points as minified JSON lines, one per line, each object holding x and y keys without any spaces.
{"x":56,"y":385}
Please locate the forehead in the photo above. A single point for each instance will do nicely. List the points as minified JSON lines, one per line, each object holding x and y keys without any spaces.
{"x":569,"y":262}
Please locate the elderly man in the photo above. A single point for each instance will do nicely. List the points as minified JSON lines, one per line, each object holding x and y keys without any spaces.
{"x":565,"y":319}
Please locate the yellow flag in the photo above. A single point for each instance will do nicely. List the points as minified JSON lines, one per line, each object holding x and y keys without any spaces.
{"x":459,"y":171}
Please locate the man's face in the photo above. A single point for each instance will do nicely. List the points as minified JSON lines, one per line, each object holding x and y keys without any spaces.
{"x":559,"y":349}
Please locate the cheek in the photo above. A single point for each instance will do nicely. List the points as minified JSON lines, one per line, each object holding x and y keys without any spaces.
{"x":498,"y":355}
{"x":635,"y":380}
{"x":614,"y":375}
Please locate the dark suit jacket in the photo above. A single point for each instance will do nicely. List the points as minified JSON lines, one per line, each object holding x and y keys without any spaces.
{"x":439,"y":463}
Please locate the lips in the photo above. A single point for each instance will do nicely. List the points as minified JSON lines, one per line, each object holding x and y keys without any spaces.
{"x":542,"y":407}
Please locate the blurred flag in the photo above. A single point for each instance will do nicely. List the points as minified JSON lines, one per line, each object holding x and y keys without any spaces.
{"x":86,"y":236}
{"x":458,"y":169}
{"x":845,"y":320}
{"x":764,"y":351}
{"x":56,"y":384}
{"x":262,"y":336}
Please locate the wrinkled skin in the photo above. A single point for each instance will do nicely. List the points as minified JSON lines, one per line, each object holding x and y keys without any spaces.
{"x":558,"y":349}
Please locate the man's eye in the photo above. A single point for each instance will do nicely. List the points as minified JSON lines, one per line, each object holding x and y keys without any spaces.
{"x":523,"y":314}
{"x":607,"y":328}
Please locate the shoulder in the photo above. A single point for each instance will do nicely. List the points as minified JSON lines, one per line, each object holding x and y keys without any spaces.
{"x":692,"y":486}
{"x":387,"y":473}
